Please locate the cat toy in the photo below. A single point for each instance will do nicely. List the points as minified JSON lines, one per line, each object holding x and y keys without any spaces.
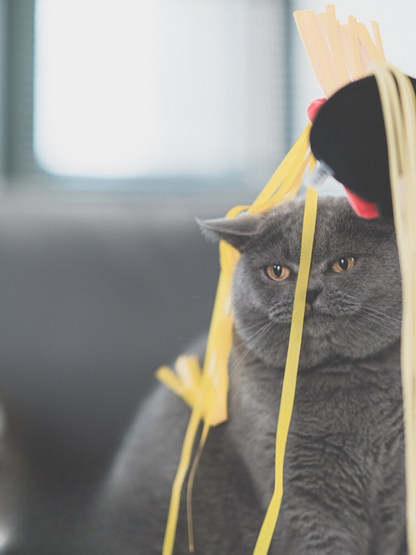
{"x":339,"y":54}
{"x":381,"y":111}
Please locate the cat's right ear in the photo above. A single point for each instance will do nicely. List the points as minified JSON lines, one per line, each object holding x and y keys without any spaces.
{"x":235,"y":231}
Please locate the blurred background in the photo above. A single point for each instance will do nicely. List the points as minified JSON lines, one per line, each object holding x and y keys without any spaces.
{"x":121,"y":121}
{"x":158,"y":96}
{"x":145,"y":96}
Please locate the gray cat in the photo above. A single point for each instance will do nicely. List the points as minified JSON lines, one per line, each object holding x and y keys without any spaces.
{"x":344,"y":489}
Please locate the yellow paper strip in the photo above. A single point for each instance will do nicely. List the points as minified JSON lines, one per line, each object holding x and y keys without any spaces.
{"x":289,"y":382}
{"x":322,"y":21}
{"x":366,"y":40}
{"x":335,"y":42}
{"x":321,"y":52}
{"x":310,"y":48}
{"x":377,"y":38}
{"x":345,"y":38}
{"x":211,"y":398}
{"x":194,"y":468}
{"x":352,"y":24}
{"x":186,"y":454}
{"x":298,"y":168}
{"x":300,"y":147}
{"x":399,"y":114}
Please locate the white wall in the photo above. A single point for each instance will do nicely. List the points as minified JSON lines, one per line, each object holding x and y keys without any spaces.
{"x":396,"y":20}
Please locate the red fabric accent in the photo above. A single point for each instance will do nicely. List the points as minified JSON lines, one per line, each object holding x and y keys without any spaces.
{"x":314,"y":108}
{"x":363,"y":208}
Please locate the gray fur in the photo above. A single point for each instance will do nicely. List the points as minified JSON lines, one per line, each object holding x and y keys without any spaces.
{"x":344,"y":488}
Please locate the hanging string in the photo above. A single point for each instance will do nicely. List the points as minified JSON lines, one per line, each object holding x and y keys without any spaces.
{"x":399,"y":112}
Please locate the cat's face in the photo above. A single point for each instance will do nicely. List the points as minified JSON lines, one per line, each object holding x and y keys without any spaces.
{"x":353,"y":307}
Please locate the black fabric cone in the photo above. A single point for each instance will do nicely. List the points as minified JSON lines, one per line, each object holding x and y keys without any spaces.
{"x":348,"y":134}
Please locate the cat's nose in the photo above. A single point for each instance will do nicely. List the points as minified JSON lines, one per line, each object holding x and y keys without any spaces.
{"x":312,"y":293}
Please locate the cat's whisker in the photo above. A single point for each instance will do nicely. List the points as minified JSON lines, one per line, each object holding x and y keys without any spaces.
{"x":375,"y":320}
{"x":369,"y":309}
{"x":254,"y":339}
{"x":372,"y":318}
{"x":257,"y":325}
{"x":257,"y":336}
{"x":239,"y":359}
{"x":357,"y":320}
{"x":379,"y":316}
{"x":372,"y":310}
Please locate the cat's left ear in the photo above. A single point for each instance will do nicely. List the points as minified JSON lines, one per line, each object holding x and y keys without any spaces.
{"x":235,"y":231}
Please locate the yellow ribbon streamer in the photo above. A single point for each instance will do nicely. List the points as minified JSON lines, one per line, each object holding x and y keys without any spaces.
{"x":196,"y":416}
{"x":399,"y":111}
{"x":206,"y":391}
{"x":291,"y":371}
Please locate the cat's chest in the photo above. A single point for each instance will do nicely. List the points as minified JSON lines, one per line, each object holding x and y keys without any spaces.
{"x":346,"y":403}
{"x":350,"y":403}
{"x":345,"y":428}
{"x":341,"y":421}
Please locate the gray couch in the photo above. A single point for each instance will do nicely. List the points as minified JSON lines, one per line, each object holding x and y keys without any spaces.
{"x":93,"y":298}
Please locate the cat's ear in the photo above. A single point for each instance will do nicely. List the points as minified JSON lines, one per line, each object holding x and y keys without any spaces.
{"x":235,"y":231}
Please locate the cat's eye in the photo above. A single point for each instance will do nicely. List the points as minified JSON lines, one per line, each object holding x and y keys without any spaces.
{"x":343,"y":264}
{"x":277,"y":272}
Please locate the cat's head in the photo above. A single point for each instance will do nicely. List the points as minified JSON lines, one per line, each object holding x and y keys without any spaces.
{"x":353,"y":307}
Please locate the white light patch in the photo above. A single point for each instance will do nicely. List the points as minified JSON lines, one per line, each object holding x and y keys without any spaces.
{"x":4,"y":539}
{"x":128,"y":88}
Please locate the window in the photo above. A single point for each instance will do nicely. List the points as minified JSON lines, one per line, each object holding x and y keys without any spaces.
{"x":158,"y":93}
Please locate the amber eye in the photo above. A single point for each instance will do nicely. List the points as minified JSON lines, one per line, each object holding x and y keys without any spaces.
{"x":343,"y":264}
{"x":277,"y":272}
